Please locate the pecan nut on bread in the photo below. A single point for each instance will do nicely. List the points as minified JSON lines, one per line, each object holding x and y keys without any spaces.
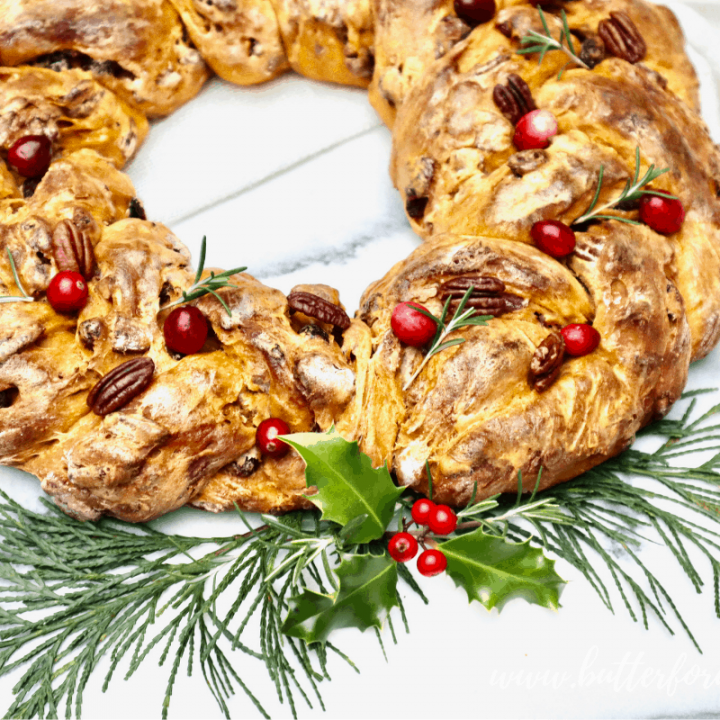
{"x":113,"y":422}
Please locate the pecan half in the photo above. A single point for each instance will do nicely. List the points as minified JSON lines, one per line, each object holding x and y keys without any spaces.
{"x":488,"y":296}
{"x":318,"y":308}
{"x":72,"y":249}
{"x":592,"y":52}
{"x":514,"y":99}
{"x":121,"y":385}
{"x":622,"y":38}
{"x":546,"y":362}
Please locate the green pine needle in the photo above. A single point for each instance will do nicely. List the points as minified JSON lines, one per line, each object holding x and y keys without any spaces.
{"x":73,"y":593}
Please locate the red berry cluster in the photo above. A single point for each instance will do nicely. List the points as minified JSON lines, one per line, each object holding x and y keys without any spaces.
{"x":440,"y":520}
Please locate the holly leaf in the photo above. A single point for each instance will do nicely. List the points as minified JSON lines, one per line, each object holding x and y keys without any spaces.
{"x":368,"y":591}
{"x":493,"y":570}
{"x":348,"y":485}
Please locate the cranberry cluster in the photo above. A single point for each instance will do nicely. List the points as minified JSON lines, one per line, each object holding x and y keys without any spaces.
{"x":438,"y":519}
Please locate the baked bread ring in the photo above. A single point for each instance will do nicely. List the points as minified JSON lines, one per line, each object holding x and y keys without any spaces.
{"x":508,"y":399}
{"x":136,"y":48}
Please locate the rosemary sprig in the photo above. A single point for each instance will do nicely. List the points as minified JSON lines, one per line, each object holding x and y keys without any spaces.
{"x":24,"y":297}
{"x":634,"y":190}
{"x":208,"y":285}
{"x":537,"y":42}
{"x":461,"y":318}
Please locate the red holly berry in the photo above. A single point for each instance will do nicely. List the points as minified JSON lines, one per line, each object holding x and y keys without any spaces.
{"x":534,"y":130}
{"x":553,"y":237}
{"x":442,"y":520}
{"x":421,"y":511}
{"x":475,"y":12}
{"x":412,"y":327}
{"x":267,"y":437}
{"x":664,"y":215}
{"x":67,"y":292}
{"x":402,"y":547}
{"x":185,"y":330}
{"x":580,"y":339}
{"x":31,"y":155}
{"x":431,"y":562}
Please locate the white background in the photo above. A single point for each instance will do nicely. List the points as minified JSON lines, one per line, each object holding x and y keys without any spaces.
{"x":291,"y":180}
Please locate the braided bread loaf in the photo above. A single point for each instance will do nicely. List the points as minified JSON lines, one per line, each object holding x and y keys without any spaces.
{"x":169,"y":429}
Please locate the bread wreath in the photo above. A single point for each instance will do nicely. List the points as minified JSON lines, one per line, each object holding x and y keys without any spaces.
{"x":474,"y":412}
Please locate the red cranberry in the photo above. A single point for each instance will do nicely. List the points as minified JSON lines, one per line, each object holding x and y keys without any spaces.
{"x":664,"y":215}
{"x":431,"y":562}
{"x":185,"y":330}
{"x":422,"y":510}
{"x":580,"y":339}
{"x":553,"y":237}
{"x":402,"y":547}
{"x":475,"y":12}
{"x":442,"y":520}
{"x":67,"y":292}
{"x":267,"y":437}
{"x":412,"y":327}
{"x":534,"y":130}
{"x":31,"y":155}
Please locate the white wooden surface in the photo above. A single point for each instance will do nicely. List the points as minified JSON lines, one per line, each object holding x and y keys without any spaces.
{"x":291,"y":180}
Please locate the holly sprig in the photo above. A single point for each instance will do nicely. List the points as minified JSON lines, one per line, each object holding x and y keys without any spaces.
{"x":635,"y":188}
{"x":23,"y":297}
{"x":537,"y":42}
{"x":210,"y":284}
{"x":462,"y":318}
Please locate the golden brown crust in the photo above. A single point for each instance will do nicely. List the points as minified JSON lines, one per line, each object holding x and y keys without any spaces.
{"x":71,"y":109}
{"x":136,"y":48}
{"x":453,"y":146}
{"x":410,"y":39}
{"x":329,"y":40}
{"x":239,"y":39}
{"x":199,"y":414}
{"x":82,"y":187}
{"x":409,"y":36}
{"x":473,"y":413}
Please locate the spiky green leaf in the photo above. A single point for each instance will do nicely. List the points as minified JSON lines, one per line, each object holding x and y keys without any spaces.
{"x":367,"y":593}
{"x":348,"y":485}
{"x":493,"y":570}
